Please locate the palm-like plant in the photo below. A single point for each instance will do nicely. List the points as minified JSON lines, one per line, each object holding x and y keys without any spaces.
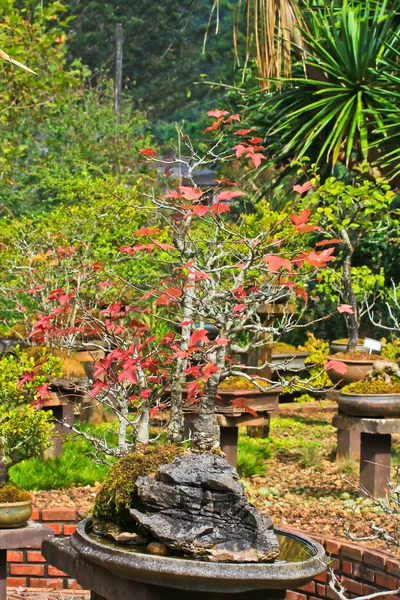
{"x":334,"y":109}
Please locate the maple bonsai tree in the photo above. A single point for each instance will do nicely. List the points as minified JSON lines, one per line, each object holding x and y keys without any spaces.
{"x":220,"y":269}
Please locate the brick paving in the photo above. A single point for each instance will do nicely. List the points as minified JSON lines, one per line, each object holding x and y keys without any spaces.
{"x":46,"y":594}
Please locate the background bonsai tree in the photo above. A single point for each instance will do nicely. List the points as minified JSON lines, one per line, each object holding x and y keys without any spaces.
{"x":220,"y":267}
{"x":351,"y":212}
{"x":25,"y":431}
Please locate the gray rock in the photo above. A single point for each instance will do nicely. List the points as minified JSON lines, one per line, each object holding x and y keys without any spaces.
{"x":197,"y":506}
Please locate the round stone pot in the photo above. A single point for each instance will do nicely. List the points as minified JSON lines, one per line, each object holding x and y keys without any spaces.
{"x":356,"y":370}
{"x":294,"y":360}
{"x":369,"y":405}
{"x":15,"y":514}
{"x":300,"y":560}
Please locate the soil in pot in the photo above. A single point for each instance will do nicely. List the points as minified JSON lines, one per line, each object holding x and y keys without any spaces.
{"x":15,"y":506}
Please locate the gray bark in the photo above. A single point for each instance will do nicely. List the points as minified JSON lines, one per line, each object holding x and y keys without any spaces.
{"x":351,"y":320}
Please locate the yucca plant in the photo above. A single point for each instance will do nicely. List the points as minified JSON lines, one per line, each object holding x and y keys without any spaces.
{"x":334,"y":105}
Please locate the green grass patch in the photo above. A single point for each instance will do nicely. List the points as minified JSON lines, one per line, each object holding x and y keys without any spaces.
{"x":74,"y":467}
{"x":253,"y":454}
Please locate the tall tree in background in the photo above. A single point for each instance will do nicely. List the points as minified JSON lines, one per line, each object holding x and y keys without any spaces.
{"x":163,"y":49}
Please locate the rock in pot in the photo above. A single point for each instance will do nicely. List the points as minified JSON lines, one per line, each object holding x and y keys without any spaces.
{"x":196,"y":506}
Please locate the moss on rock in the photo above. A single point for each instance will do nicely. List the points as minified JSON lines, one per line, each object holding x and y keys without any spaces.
{"x":118,"y":492}
{"x":11,"y":493}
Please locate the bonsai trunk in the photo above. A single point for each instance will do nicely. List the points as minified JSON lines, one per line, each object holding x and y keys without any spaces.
{"x":3,"y":465}
{"x":142,"y":430}
{"x":206,"y":432}
{"x":351,"y":319}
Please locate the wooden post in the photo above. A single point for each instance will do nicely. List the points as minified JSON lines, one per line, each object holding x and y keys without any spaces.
{"x":118,"y":72}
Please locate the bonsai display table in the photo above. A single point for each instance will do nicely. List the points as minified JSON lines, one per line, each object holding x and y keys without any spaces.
{"x":375,"y":449}
{"x":32,"y":534}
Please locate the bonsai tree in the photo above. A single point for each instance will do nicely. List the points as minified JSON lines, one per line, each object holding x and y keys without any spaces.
{"x":25,"y":431}
{"x":351,"y":212}
{"x":220,"y":268}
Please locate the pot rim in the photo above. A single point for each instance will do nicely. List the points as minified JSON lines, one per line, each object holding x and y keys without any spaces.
{"x":301,"y":353}
{"x":393,"y":395}
{"x":239,"y":571}
{"x":353,"y":362}
{"x":8,"y":504}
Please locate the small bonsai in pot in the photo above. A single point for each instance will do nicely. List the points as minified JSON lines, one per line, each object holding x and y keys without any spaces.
{"x":351,"y":212}
{"x":377,"y":395}
{"x":25,"y":431}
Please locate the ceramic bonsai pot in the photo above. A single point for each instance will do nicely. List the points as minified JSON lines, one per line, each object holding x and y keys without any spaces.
{"x":356,"y":370}
{"x":15,"y":514}
{"x":369,"y":405}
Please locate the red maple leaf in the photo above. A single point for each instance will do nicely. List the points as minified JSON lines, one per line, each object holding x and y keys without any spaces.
{"x":197,"y":211}
{"x":299,"y":291}
{"x":147,"y":231}
{"x":274,"y":263}
{"x":229,"y":195}
{"x":25,"y":377}
{"x":190,"y":193}
{"x":235,"y":117}
{"x":346,"y":308}
{"x":238,"y":308}
{"x":127,"y":249}
{"x":240,"y":149}
{"x":336,"y":365}
{"x":302,"y":188}
{"x":241,"y":403}
{"x":148,"y":152}
{"x":214,"y":126}
{"x":217,"y":113}
{"x":300,"y":219}
{"x":327,"y":242}
{"x":128,"y":374}
{"x":200,"y":335}
{"x":174,"y":292}
{"x":209,"y":369}
{"x":319,"y":259}
{"x":98,"y":385}
{"x":244,"y":131}
{"x":153,"y":411}
{"x":221,"y":341}
{"x":220,"y":207}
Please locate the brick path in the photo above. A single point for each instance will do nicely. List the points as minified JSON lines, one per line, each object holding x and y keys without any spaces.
{"x":45,"y":594}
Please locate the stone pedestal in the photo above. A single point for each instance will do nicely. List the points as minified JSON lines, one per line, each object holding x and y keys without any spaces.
{"x":32,"y":534}
{"x":375,"y":449}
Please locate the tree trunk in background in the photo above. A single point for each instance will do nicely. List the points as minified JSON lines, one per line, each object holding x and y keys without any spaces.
{"x":351,"y":320}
